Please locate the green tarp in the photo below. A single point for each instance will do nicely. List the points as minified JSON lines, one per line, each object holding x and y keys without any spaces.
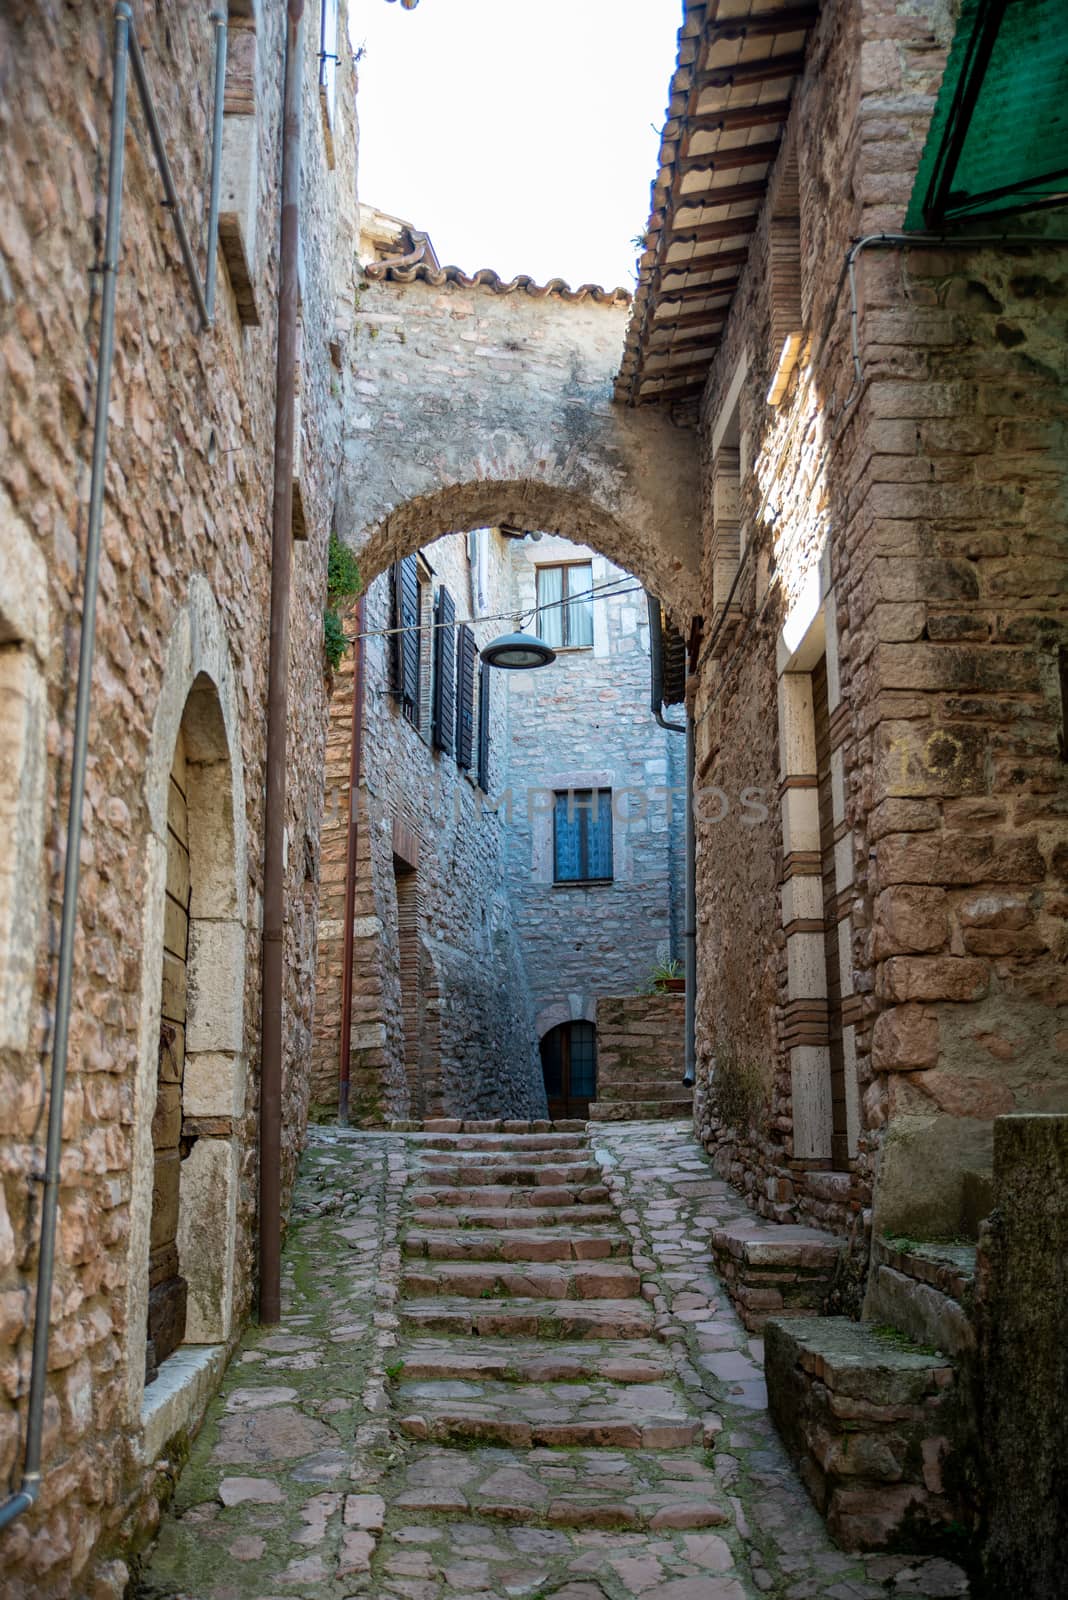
{"x":998,"y":139}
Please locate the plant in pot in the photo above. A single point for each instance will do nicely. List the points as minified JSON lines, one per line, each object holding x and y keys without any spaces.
{"x":668,"y":978}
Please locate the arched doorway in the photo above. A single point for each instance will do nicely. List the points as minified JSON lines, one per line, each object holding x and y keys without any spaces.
{"x":569,"y":1069}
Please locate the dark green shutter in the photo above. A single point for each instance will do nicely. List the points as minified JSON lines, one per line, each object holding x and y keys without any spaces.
{"x":442,"y":725}
{"x":484,"y":675}
{"x":465,"y":696}
{"x":405,"y":644}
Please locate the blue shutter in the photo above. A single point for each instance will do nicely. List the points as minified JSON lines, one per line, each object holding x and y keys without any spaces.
{"x":599,"y":834}
{"x":567,"y":839}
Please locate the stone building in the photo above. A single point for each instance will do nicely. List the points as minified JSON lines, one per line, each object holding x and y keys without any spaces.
{"x":474,"y":939}
{"x":157,"y":1196}
{"x":882,"y":594}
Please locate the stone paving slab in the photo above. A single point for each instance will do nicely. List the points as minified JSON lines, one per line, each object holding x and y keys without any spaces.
{"x":321,"y":1495}
{"x":591,"y":1243}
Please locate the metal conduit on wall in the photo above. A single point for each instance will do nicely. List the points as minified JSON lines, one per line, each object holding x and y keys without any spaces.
{"x":126,"y":50}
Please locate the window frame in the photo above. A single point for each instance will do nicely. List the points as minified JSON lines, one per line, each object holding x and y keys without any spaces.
{"x":565,"y":602}
{"x":582,"y":813}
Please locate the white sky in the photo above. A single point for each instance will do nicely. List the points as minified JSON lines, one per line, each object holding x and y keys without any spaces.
{"x":520,"y":134}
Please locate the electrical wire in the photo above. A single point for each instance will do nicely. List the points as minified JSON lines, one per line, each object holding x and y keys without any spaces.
{"x":608,"y":590}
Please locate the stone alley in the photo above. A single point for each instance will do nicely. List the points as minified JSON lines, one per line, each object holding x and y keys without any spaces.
{"x":504,"y":1370}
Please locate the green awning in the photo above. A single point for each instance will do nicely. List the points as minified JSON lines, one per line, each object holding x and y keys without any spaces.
{"x":998,"y":140}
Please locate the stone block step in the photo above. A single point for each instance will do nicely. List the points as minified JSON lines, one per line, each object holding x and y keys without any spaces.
{"x":516,"y":1244}
{"x":671,"y":1110}
{"x":667,"y":1089}
{"x":773,"y":1269}
{"x":645,"y":1416}
{"x":530,"y":1361}
{"x":576,"y":1216}
{"x":534,"y":1175}
{"x":530,"y":1319}
{"x":494,"y":1125}
{"x":533,"y":1280}
{"x":495,"y":1196}
{"x":446,"y":1152}
{"x":589,"y":1489}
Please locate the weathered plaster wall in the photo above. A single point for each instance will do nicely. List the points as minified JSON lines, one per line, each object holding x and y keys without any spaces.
{"x":476,"y":408}
{"x":582,"y":723}
{"x":186,"y":564}
{"x":912,"y":527}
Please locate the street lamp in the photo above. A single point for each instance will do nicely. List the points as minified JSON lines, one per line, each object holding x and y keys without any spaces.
{"x":517,"y":652}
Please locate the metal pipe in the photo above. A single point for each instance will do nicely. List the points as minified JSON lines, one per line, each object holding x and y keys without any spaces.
{"x":355,"y":772}
{"x":689,"y":932}
{"x":275,"y":810}
{"x":219,"y":19}
{"x":155,"y":134}
{"x":31,"y":1471}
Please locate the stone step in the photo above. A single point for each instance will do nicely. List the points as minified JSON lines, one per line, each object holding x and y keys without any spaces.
{"x":522,"y":1416}
{"x":515,"y":1216}
{"x":496,"y":1196}
{"x":526,"y":1175}
{"x":671,"y":1110}
{"x":529,"y":1361}
{"x":668,"y":1089}
{"x":442,"y":1152}
{"x":535,"y":1280}
{"x":530,"y":1319}
{"x":599,"y":1489}
{"x":515,"y":1244}
{"x":495,"y":1125}
{"x":773,"y":1269}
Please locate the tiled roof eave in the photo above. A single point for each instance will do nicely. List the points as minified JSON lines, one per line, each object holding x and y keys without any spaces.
{"x":728,"y":103}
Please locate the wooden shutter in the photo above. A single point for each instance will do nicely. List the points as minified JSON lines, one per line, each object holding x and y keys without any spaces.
{"x":465,"y":696}
{"x":484,"y":675}
{"x":599,"y":835}
{"x":405,"y":647}
{"x":444,"y":713}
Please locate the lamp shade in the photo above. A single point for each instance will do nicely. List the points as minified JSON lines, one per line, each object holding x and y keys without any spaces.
{"x":517,"y":652}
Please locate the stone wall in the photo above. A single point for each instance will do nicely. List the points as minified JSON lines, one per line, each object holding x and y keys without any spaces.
{"x":901,"y":526}
{"x":184,"y":601}
{"x":585,"y":723}
{"x":433,"y":363}
{"x":640,"y":1039}
{"x":476,"y":1052}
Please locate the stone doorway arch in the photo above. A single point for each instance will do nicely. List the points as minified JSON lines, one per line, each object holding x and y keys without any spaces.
{"x":196,"y":719}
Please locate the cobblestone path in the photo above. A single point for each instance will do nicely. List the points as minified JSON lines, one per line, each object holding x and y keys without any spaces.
{"x":506,"y":1370}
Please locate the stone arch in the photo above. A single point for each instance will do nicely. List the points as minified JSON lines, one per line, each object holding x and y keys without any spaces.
{"x":576,"y":1008}
{"x":530,"y":504}
{"x":198,"y":700}
{"x":471,"y":408}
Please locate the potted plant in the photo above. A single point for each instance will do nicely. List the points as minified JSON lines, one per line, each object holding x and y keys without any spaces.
{"x":668,"y":978}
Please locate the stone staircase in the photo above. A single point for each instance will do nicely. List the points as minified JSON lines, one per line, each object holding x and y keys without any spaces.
{"x":640,"y":1056}
{"x":528,"y":1373}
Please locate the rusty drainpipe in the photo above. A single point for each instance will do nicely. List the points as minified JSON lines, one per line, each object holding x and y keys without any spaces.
{"x":281,"y":552}
{"x":355,"y":768}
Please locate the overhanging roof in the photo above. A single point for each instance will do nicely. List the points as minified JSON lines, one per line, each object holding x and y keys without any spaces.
{"x":737,"y":65}
{"x":998,"y":139}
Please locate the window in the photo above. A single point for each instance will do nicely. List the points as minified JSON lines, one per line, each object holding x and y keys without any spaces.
{"x":466,"y":655}
{"x":565,"y":605}
{"x":239,"y":199}
{"x":582,"y":836}
{"x":485,"y":675}
{"x":784,"y":279}
{"x":443,"y":695}
{"x":407,"y":643}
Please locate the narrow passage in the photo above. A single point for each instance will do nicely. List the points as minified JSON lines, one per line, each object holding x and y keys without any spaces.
{"x":506,"y":1370}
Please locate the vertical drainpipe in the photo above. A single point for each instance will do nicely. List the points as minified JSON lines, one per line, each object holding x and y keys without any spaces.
{"x":26,"y":1494}
{"x":275,"y":810}
{"x":355,"y":768}
{"x":656,"y":666}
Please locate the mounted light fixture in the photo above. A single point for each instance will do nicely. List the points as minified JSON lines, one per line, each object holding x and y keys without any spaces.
{"x":517,"y":652}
